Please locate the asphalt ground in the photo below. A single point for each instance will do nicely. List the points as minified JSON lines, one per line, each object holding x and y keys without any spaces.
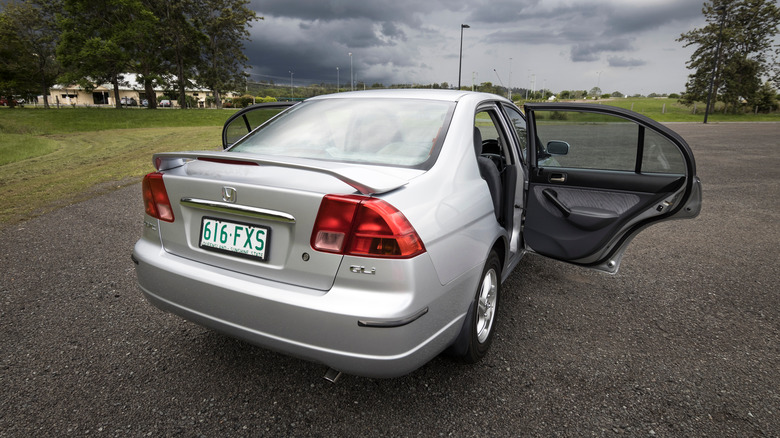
{"x":683,"y":341}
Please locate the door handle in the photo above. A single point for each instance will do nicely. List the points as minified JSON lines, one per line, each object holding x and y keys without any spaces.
{"x":557,"y":177}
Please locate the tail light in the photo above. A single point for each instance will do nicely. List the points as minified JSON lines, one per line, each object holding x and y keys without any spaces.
{"x":156,"y":199}
{"x":361,"y":226}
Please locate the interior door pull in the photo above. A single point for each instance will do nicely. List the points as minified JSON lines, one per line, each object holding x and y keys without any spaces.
{"x":553,"y":197}
{"x":558,"y":177}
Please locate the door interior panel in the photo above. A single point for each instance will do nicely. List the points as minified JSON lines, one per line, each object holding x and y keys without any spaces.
{"x":573,"y":213}
{"x":594,"y":217}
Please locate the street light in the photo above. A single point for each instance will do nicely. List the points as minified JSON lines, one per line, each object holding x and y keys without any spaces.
{"x":351,"y":78}
{"x":499,"y":77}
{"x":510,"y":79}
{"x":337,"y":79}
{"x":292,"y":93}
{"x":722,"y":10}
{"x":460,"y":60}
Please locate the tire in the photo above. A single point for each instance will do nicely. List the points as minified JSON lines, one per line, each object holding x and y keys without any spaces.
{"x":480,"y":325}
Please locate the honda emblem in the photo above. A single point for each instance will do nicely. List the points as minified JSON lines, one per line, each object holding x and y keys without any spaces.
{"x":229,"y":194}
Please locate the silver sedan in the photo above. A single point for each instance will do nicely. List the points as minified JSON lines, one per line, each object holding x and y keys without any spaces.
{"x":371,"y":231}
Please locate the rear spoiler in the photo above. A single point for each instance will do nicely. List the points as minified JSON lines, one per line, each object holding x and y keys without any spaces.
{"x":364,"y":180}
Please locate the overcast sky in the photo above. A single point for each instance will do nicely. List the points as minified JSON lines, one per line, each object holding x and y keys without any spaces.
{"x":617,"y":45}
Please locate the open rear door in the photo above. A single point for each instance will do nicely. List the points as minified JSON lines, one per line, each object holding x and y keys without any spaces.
{"x":245,"y":121}
{"x":598,"y":176}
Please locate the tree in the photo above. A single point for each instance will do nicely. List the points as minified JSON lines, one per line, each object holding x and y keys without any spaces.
{"x":29,"y":36}
{"x":766,"y":98}
{"x":746,"y":51}
{"x":99,"y":39}
{"x":150,"y":62}
{"x":222,"y":60}
{"x":183,"y":43}
{"x":594,"y":92}
{"x":15,"y":71}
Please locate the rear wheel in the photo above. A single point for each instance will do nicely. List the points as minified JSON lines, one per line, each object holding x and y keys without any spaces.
{"x":479,"y":328}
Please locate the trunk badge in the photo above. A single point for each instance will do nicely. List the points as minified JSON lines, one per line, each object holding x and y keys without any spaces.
{"x":229,"y":194}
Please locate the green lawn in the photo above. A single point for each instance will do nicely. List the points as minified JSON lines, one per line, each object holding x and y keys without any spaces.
{"x":64,"y":120}
{"x":51,"y":158}
{"x":669,"y":110}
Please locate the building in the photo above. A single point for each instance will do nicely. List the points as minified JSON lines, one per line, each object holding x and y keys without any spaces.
{"x":130,"y":88}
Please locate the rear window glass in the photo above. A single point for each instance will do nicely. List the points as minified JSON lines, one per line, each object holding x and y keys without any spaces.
{"x":395,"y":132}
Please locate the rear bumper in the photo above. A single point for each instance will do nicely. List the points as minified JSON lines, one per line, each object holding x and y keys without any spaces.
{"x":357,"y":331}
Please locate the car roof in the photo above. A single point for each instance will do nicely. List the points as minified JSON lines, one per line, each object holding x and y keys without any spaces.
{"x":413,"y":93}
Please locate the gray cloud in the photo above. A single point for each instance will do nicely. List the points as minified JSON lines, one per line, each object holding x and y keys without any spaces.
{"x":402,"y":11}
{"x":620,"y":61}
{"x":586,"y":52}
{"x":410,"y":40}
{"x":641,"y":18}
{"x":501,"y":11}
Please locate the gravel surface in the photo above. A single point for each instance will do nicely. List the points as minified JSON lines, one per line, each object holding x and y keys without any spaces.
{"x":683,"y":341}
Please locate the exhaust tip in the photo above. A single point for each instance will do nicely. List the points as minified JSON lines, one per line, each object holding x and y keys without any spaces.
{"x":332,"y":375}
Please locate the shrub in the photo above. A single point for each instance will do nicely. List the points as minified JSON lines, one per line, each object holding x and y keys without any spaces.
{"x":243,"y":101}
{"x":558,"y":115}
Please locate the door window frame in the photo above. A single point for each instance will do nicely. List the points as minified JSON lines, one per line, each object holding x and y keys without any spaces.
{"x":641,"y":121}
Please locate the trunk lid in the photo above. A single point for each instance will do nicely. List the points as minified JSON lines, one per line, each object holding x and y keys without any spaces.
{"x":253,"y":215}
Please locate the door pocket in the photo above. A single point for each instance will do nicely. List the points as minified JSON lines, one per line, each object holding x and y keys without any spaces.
{"x":584,"y":218}
{"x":586,"y":209}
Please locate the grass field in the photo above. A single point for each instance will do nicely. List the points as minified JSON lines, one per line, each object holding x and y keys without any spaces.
{"x":669,"y":110}
{"x":51,"y":158}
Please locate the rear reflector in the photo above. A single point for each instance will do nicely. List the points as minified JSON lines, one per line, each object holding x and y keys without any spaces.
{"x":362,"y":226}
{"x":156,"y":200}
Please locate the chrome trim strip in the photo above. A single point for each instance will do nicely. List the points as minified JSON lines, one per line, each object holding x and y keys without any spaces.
{"x":394,"y":323}
{"x":242,"y":210}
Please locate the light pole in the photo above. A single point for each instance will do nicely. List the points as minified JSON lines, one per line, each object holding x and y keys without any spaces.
{"x":509,"y":82}
{"x":499,"y":77}
{"x":460,"y":59}
{"x":292,"y":93}
{"x":722,"y":10}
{"x":337,"y":79}
{"x":351,"y":78}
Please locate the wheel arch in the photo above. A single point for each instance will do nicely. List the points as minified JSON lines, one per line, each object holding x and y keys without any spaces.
{"x":500,"y":246}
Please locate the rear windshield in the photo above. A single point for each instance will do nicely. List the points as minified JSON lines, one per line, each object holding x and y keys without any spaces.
{"x":394,"y":132}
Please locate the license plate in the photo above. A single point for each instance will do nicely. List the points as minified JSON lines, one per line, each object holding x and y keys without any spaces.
{"x":234,"y":238}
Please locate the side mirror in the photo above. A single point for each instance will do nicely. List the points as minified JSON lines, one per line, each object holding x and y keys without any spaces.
{"x":557,"y":147}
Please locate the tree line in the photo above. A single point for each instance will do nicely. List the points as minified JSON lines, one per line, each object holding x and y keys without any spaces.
{"x":735,"y":58}
{"x":175,"y":44}
{"x":170,"y":44}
